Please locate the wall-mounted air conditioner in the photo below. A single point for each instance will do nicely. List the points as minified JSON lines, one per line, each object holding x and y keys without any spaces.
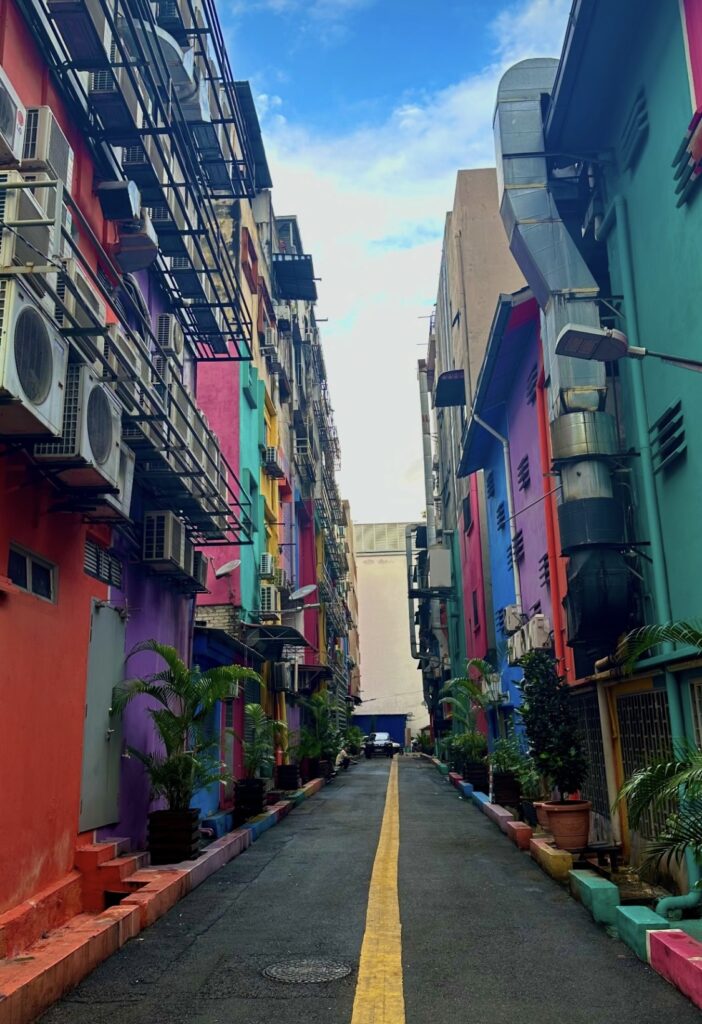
{"x":119,"y":505}
{"x":164,"y":542}
{"x":170,"y":337}
{"x":513,"y":618}
{"x":282,"y":677}
{"x":78,"y":299}
{"x":137,"y":247}
{"x":23,"y":243}
{"x":516,"y":646}
{"x":130,"y":369}
{"x":87,"y":453}
{"x":33,"y":362}
{"x":281,"y":579}
{"x":266,"y":569}
{"x":538,"y":633}
{"x":269,"y":345}
{"x":85,"y":30}
{"x":13,"y":117}
{"x":270,"y":601}
{"x":113,"y":96}
{"x":271,"y":462}
{"x":162,"y":379}
{"x":200,"y":568}
{"x":45,"y":147}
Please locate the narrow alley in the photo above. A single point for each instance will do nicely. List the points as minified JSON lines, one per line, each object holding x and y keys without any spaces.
{"x":302,"y":892}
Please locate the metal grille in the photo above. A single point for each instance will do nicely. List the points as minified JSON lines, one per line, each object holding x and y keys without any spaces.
{"x":501,"y":516}
{"x":102,"y":565}
{"x":531,"y":385}
{"x":696,"y":698}
{"x":68,"y":444}
{"x":524,"y":474}
{"x":587,"y":710}
{"x":644,"y":731}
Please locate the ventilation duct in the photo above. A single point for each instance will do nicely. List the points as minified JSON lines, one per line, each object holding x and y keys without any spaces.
{"x":583,"y":436}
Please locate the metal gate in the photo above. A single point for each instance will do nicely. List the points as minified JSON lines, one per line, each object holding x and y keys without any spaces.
{"x":644,"y":731}
{"x":587,"y":710}
{"x":102,"y":734}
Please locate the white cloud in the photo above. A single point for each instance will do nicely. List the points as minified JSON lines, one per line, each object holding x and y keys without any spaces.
{"x":371,"y":205}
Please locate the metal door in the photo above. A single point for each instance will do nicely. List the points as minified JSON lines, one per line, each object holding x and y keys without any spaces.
{"x":102,"y":734}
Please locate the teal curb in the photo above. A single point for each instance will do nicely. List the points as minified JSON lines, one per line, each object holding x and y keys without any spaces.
{"x":596,"y":894}
{"x":633,"y":923}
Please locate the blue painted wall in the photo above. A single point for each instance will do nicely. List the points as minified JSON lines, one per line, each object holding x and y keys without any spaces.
{"x":394,"y":724}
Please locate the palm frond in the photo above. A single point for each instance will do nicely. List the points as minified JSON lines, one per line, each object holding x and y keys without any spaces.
{"x":126,"y":691}
{"x":169,"y":654}
{"x":682,"y":831}
{"x":639,"y":641}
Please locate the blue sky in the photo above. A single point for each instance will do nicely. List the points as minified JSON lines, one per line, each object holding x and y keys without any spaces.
{"x":368,"y":109}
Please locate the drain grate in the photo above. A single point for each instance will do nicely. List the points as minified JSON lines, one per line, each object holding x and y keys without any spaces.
{"x":308,"y":971}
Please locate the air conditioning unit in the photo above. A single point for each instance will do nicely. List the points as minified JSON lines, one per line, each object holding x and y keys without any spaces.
{"x":23,"y":244}
{"x":128,"y":366}
{"x":115,"y":99}
{"x":78,"y":299}
{"x":266,"y":568}
{"x":45,"y":147}
{"x":164,"y":542}
{"x":188,"y":558}
{"x":46,"y":198}
{"x":270,"y":601}
{"x":161,"y":379}
{"x":281,"y":579}
{"x":282,"y":677}
{"x":178,"y":416}
{"x":119,"y":505}
{"x":13,"y":117}
{"x":169,"y":335}
{"x":85,"y":30}
{"x":33,"y":363}
{"x":516,"y":646}
{"x":200,"y":568}
{"x":198,"y":438}
{"x":269,"y":346}
{"x":137,"y":247}
{"x":88,"y":451}
{"x":538,"y":633}
{"x":513,"y":618}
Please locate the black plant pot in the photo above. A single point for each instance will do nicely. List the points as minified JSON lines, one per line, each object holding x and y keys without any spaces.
{"x":477,"y":775}
{"x":287,"y":776}
{"x":326,"y":768}
{"x":528,"y":812}
{"x":309,"y":768}
{"x":506,"y":789}
{"x":249,"y":799}
{"x":174,"y":836}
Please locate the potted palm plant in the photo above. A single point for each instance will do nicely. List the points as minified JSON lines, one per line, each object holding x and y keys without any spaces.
{"x":188,"y":759}
{"x":320,"y":740}
{"x":468,"y":746}
{"x":259,"y":753}
{"x":556,"y":747}
{"x":505,"y":760}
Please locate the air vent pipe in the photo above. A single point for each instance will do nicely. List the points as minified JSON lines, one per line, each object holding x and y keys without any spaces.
{"x":599,"y":582}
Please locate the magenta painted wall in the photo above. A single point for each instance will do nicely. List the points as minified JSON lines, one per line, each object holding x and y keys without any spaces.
{"x":528,"y":504}
{"x":472,"y":576}
{"x":218,"y":397}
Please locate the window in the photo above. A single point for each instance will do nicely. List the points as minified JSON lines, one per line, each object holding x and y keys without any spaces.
{"x":31,"y":573}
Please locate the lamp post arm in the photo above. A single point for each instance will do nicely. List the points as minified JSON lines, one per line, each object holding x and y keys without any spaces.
{"x":681,"y":361}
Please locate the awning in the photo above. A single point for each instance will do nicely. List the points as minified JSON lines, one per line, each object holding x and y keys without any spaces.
{"x":294,"y":275}
{"x":253,"y":128}
{"x":309,"y":676}
{"x":450,"y":389}
{"x":268,"y":641}
{"x":217,"y":647}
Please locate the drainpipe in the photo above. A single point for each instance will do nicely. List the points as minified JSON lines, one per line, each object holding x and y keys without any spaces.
{"x":510,"y":501}
{"x":410,"y":602}
{"x":429,"y":498}
{"x":671,"y":906}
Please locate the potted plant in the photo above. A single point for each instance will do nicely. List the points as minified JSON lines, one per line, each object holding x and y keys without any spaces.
{"x":505,"y":761}
{"x":556,"y":747}
{"x":531,"y":786}
{"x":189,"y":758}
{"x":320,"y":740}
{"x":469,"y":759}
{"x":259,"y":754}
{"x":353,"y":741}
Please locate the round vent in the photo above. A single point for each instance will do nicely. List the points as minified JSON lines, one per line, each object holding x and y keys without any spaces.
{"x":33,"y":356}
{"x":99,"y":426}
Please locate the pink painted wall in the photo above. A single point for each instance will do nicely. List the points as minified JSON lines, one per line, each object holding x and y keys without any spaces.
{"x":218,"y":397}
{"x":472,"y":574}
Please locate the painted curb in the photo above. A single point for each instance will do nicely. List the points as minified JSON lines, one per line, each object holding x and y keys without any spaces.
{"x":678,"y":959}
{"x":466,"y":788}
{"x":479,"y":799}
{"x":556,"y":863}
{"x":520,"y":833}
{"x":596,"y":894}
{"x":499,"y":815}
{"x":51,"y":967}
{"x":634,"y":924}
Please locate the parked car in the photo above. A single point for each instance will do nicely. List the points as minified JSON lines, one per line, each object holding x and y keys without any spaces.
{"x":381,"y":743}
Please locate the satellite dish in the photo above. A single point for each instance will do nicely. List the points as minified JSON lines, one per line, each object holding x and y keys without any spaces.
{"x":303,"y":592}
{"x":227,"y":568}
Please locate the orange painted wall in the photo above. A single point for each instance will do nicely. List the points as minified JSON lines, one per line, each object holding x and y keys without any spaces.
{"x":43,"y":646}
{"x":43,"y":660}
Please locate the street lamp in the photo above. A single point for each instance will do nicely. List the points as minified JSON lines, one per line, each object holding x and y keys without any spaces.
{"x":605,"y":345}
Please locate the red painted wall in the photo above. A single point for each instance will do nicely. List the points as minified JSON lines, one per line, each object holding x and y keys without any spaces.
{"x":472,"y":574}
{"x":42,"y":691}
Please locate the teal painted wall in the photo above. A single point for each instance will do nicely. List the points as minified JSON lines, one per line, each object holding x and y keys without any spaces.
{"x":667,"y":266}
{"x":251,"y":430}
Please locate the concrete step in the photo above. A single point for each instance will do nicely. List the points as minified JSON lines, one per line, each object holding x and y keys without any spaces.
{"x":46,"y":910}
{"x":119,"y":868}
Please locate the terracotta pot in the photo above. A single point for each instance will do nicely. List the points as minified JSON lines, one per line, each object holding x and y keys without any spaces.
{"x":541,"y":813}
{"x":570,"y":823}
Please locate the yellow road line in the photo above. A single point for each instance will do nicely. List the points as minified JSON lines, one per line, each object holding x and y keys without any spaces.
{"x":379,"y":995}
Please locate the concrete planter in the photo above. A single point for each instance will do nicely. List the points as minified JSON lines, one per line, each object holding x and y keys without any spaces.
{"x":250,"y":798}
{"x":570,"y":823}
{"x":287,"y":777}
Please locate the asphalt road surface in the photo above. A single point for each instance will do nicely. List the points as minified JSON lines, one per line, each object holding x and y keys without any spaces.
{"x":486,"y":938}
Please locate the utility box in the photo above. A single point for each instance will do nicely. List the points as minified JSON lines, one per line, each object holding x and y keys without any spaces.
{"x":439,"y":568}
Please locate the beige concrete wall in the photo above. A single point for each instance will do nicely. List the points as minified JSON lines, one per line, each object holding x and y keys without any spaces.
{"x":389,"y":675}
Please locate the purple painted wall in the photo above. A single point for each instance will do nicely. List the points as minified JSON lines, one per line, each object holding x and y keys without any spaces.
{"x":528,"y":503}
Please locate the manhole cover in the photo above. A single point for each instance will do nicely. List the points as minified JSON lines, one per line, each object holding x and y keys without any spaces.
{"x":309,"y":971}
